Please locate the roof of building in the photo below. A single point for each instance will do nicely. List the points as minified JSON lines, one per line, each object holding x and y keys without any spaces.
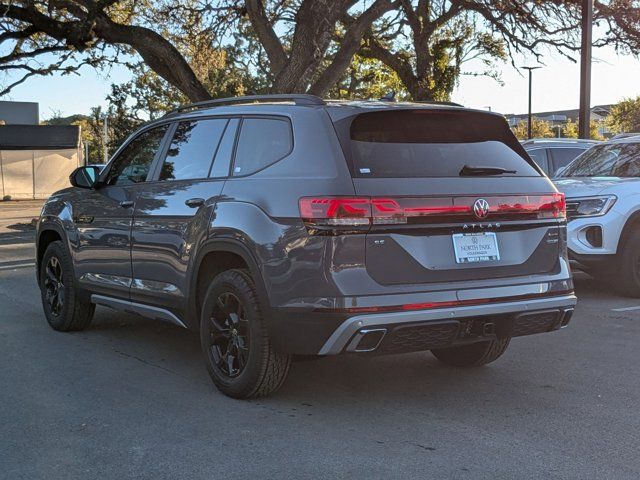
{"x":562,"y":115}
{"x":39,"y":137}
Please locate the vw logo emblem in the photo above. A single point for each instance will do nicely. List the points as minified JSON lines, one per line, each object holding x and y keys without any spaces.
{"x":481,"y":208}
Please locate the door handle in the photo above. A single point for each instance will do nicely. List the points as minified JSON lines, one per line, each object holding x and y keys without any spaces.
{"x":194,"y":202}
{"x":126,"y":204}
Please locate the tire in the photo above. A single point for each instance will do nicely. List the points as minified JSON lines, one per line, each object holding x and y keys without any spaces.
{"x":63,"y":308}
{"x":627,"y":278}
{"x":472,"y":355}
{"x":235,"y":340}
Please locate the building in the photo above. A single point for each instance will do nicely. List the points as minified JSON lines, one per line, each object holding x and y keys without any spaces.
{"x":560,"y":117}
{"x":19,"y":113}
{"x":36,"y":160}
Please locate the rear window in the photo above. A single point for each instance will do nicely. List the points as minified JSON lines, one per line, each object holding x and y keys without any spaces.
{"x":564,"y":156}
{"x":427,"y":143}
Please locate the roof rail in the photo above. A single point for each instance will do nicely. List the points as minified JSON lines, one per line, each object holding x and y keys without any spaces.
{"x":298,"y":99}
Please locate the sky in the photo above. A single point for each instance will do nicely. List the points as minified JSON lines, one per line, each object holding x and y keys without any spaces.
{"x":555,"y":86}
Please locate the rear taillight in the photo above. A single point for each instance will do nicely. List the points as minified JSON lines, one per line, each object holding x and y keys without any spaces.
{"x":361,"y":213}
{"x":336,"y":211}
{"x":552,"y":206}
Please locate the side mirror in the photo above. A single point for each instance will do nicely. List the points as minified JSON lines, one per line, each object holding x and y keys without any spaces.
{"x":85,"y":177}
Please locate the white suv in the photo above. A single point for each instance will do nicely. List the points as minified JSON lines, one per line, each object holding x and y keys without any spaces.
{"x":602,"y":188}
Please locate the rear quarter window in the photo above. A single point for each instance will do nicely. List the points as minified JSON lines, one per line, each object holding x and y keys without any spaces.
{"x":262,"y":142}
{"x":428,"y":143}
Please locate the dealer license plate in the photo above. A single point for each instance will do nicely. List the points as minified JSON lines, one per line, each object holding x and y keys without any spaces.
{"x":475,"y":247}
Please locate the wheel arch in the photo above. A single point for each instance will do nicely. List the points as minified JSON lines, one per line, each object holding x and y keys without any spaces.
{"x":47,"y":234}
{"x":632,"y":223}
{"x":215,"y":257}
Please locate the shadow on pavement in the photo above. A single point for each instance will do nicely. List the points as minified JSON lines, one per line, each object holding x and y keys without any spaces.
{"x":369,"y":381}
{"x":23,"y":227}
{"x":17,"y":237}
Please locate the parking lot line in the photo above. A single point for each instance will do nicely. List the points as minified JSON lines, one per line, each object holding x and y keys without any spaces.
{"x":625,"y":309}
{"x":19,"y":265}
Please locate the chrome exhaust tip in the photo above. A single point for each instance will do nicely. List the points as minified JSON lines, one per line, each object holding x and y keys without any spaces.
{"x":366,"y":340}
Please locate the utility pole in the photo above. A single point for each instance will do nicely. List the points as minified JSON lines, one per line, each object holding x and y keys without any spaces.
{"x":584,"y":118}
{"x":531,"y":69}
{"x":105,"y":139}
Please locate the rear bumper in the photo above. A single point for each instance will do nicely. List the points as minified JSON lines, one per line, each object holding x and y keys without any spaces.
{"x":317,"y":333}
{"x":449,"y":326}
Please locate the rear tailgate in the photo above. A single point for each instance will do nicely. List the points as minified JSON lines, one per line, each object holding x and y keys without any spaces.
{"x":430,"y":224}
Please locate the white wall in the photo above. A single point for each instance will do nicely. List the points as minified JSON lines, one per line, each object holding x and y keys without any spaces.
{"x":27,"y":174}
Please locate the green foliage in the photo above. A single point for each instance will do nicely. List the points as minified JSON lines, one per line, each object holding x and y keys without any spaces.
{"x":368,"y":79}
{"x":625,"y":116}
{"x":456,"y":44}
{"x":543,"y":129}
{"x":570,"y":130}
{"x":539,"y":129}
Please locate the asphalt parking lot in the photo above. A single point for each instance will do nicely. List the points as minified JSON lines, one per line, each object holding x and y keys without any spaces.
{"x":130,"y":398}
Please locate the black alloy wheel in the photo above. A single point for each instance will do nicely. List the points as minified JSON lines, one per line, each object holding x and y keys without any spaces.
{"x":235,"y":340}
{"x":54,"y":286}
{"x":229,"y":335}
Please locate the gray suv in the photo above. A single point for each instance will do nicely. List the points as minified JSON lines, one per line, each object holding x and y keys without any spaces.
{"x":284,"y":226}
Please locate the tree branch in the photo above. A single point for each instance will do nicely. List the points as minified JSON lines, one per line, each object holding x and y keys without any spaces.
{"x":350,"y":43}
{"x":268,"y":38}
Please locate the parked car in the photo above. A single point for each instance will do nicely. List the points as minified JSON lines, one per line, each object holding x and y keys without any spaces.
{"x":625,"y":135}
{"x":602,"y":188}
{"x":552,"y":154}
{"x":286,"y":225}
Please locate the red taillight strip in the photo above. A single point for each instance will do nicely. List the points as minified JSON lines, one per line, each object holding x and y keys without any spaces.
{"x":362,"y":212}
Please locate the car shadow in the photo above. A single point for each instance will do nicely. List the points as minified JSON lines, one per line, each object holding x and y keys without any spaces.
{"x":363,"y":381}
{"x":595,"y":288}
{"x":520,"y":381}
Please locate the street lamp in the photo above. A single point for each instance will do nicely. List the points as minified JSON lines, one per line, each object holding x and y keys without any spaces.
{"x":531,"y":69}
{"x":585,"y":69}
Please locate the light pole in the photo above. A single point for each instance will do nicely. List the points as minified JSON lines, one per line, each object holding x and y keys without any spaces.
{"x":531,"y":69}
{"x":105,"y":140}
{"x":585,"y":70}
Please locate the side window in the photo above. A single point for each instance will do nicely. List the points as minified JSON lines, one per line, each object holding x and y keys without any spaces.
{"x":564,"y":156}
{"x":262,"y":141}
{"x":539,"y":156}
{"x":133,"y":163}
{"x":192,"y":149}
{"x":222,"y":162}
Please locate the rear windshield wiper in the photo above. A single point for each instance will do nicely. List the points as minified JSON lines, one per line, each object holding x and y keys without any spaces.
{"x":468,"y":171}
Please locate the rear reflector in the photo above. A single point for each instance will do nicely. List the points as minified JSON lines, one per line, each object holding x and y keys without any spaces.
{"x":361,"y":213}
